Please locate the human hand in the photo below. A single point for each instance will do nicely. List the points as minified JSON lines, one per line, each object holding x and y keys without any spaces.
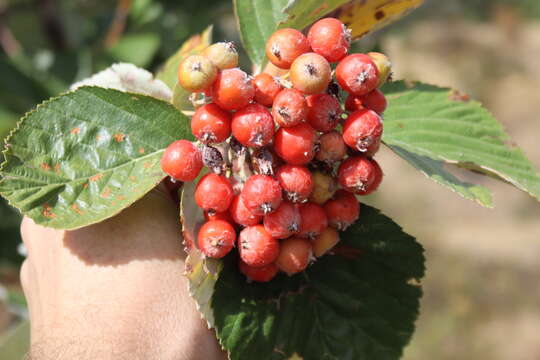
{"x":114,"y":290}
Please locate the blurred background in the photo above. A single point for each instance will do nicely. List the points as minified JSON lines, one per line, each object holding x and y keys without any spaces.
{"x":482,"y":288}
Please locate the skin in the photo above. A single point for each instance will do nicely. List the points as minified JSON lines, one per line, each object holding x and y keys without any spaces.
{"x":113,"y":290}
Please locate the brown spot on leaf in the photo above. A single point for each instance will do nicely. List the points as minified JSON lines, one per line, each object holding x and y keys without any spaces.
{"x":132,"y":178}
{"x":106,"y":193}
{"x":400,"y":125}
{"x":319,"y":9}
{"x":45,"y":166}
{"x":379,"y":15}
{"x":119,"y":137}
{"x":76,"y":209}
{"x":456,"y":95}
{"x":75,"y":130}
{"x":85,"y":185}
{"x":120,"y":197}
{"x":57,"y":168}
{"x":95,"y":177}
{"x":47,"y":211}
{"x":147,"y":165}
{"x":141,"y":150}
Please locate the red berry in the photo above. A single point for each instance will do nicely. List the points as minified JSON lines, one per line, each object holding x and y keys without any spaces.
{"x":324,"y":112}
{"x":296,"y":182}
{"x":283,"y":222}
{"x":259,"y":274}
{"x":233,"y":89}
{"x":266,"y":89}
{"x":196,"y":73}
{"x":323,"y":243}
{"x":332,"y":148}
{"x":225,"y":216}
{"x":182,"y":161}
{"x":294,"y":255}
{"x":310,"y":73}
{"x":257,"y":247}
{"x":211,"y":124}
{"x":290,"y":108}
{"x":353,"y":103}
{"x":360,"y":175}
{"x":216,"y":238}
{"x":240,"y":213}
{"x":343,"y":210}
{"x":330,"y":38}
{"x":375,"y":101}
{"x":296,"y":145}
{"x":214,"y":193}
{"x":253,"y":126}
{"x":261,"y":194}
{"x":284,"y":46}
{"x":363,"y":130}
{"x":357,"y":74}
{"x":313,"y":220}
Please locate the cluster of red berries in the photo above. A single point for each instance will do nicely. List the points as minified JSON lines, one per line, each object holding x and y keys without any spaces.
{"x":294,"y":146}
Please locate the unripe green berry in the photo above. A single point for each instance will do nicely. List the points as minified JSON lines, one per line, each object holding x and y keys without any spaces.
{"x":196,"y":73}
{"x":383,"y":65}
{"x":222,"y":54}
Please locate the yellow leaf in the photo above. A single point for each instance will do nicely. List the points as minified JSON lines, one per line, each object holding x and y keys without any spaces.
{"x":364,"y":16}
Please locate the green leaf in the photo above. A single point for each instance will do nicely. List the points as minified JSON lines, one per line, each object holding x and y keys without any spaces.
{"x":84,"y":156}
{"x":15,"y":343}
{"x":202,"y":273}
{"x":192,"y":46}
{"x":258,"y":19}
{"x":437,"y":123}
{"x":434,"y":169}
{"x":360,"y":304}
{"x":138,"y":49}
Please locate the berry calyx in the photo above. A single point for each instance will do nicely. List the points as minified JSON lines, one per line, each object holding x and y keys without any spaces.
{"x":211,"y":124}
{"x":283,"y":222}
{"x":296,"y":182}
{"x":310,"y":73}
{"x":216,"y":238}
{"x":284,"y":46}
{"x":342,"y":210}
{"x":258,"y":274}
{"x":240,"y":213}
{"x":222,"y":54}
{"x":266,"y":89}
{"x":214,"y":193}
{"x":294,"y":255}
{"x":331,"y":147}
{"x":296,"y":145}
{"x":313,"y":221}
{"x":323,"y":243}
{"x":324,"y":187}
{"x":363,"y":130}
{"x":324,"y":112}
{"x":384,"y":66}
{"x":357,"y":74}
{"x":213,"y":159}
{"x":290,"y":108}
{"x":253,"y":126}
{"x":330,"y":38}
{"x":182,"y":161}
{"x":233,"y":89}
{"x":375,"y":101}
{"x":196,"y":73}
{"x":261,"y":194}
{"x":257,"y":247}
{"x":360,"y":175}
